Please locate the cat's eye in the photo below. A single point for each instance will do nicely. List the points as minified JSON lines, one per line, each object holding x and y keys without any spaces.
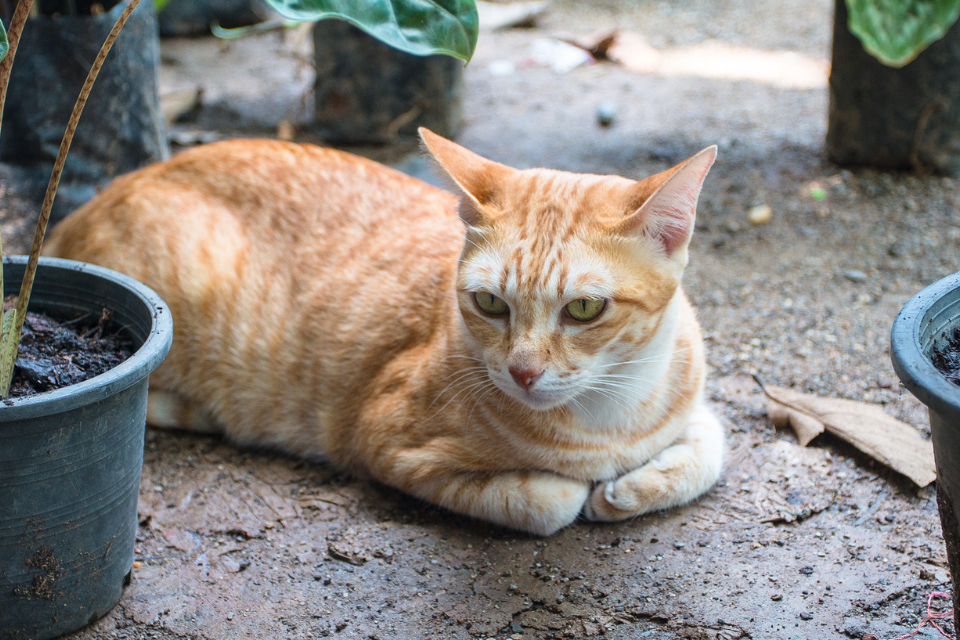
{"x":490,"y":304}
{"x":586,"y":309}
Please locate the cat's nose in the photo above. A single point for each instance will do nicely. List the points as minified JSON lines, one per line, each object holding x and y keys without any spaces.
{"x":526,"y":376}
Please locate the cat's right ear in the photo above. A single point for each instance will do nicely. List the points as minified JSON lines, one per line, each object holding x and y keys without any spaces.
{"x":479,"y":179}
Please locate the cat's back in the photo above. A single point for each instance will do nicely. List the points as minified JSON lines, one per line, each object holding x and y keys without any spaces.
{"x":276,"y":192}
{"x":283,"y":211}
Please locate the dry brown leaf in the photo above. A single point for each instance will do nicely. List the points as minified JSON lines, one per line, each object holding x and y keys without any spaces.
{"x":625,"y":48}
{"x":867,"y":427}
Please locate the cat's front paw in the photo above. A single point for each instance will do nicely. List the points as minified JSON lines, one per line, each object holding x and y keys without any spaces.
{"x":631,"y":495}
{"x":604,"y":504}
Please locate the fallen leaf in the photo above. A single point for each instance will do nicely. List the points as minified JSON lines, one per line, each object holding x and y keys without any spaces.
{"x":625,"y":48}
{"x":867,"y":427}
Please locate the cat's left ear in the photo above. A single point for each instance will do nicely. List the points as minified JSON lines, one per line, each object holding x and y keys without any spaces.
{"x":667,"y":215}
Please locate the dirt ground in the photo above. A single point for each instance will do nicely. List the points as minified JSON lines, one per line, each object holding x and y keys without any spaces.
{"x":246,"y":544}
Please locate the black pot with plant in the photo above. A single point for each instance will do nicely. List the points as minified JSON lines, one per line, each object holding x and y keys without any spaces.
{"x":384,"y":67}
{"x":122,"y":128}
{"x":925,"y":348}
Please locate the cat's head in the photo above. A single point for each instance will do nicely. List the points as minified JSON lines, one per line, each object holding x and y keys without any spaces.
{"x":563,"y":275}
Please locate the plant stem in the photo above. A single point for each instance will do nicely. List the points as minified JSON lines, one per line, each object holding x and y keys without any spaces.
{"x":51,"y":193}
{"x":13,"y":38}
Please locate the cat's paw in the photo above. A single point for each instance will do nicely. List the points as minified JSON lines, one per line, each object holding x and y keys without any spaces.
{"x":618,"y":500}
{"x":554,"y":504}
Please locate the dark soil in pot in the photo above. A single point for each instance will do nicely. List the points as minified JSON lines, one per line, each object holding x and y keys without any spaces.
{"x":58,"y":353}
{"x":947,"y":358}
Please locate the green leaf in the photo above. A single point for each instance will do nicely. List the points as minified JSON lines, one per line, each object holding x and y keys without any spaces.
{"x":4,"y":45}
{"x":158,"y":5}
{"x":420,"y":27}
{"x":896,"y":31}
{"x":8,"y":350}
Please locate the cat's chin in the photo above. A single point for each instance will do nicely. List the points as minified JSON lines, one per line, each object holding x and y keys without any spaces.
{"x":537,"y":401}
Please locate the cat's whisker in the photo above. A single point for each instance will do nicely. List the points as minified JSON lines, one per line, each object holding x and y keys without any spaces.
{"x":618,"y":398}
{"x":464,"y":357}
{"x":483,"y":390}
{"x":471,"y":241}
{"x":463,"y":380}
{"x":583,"y":408}
{"x":613,"y":379}
{"x":657,"y":358}
{"x":463,"y":376}
{"x":468,"y":389}
{"x":609,"y":396}
{"x":480,"y":398}
{"x":465,"y":370}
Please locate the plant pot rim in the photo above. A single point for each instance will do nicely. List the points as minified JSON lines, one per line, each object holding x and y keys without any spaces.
{"x":129,"y":372}
{"x":914,"y":367}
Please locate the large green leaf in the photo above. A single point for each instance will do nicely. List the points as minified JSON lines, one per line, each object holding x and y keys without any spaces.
{"x":420,"y":27}
{"x":4,"y":45}
{"x":896,"y":31}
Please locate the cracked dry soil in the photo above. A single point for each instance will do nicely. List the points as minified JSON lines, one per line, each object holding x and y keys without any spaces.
{"x":816,"y":542}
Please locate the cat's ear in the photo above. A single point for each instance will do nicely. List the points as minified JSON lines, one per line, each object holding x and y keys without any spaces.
{"x":667,"y":215}
{"x":479,"y":179}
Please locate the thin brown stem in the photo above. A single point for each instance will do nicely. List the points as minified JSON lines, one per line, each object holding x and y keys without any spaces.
{"x":13,"y":38}
{"x":51,"y":193}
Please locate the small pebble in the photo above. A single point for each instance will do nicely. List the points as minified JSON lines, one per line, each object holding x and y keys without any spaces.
{"x":776,"y":597}
{"x":679,"y":545}
{"x":806,"y":615}
{"x":854,"y":275}
{"x":760,"y":214}
{"x":230,"y":616}
{"x":606,"y":114}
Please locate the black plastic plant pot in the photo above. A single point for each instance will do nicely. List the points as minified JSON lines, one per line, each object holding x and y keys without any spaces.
{"x":70,"y":461}
{"x":928,"y":320}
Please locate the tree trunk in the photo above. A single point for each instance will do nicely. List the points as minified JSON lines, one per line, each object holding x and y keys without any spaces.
{"x":906,"y":118}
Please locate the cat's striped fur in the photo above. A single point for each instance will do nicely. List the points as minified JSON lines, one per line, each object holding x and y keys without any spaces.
{"x":325,"y":305}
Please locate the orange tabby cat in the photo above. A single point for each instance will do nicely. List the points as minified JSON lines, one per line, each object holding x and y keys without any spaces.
{"x":533,"y":360}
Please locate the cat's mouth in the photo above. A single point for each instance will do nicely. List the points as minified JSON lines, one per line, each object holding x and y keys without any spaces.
{"x":536,"y":397}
